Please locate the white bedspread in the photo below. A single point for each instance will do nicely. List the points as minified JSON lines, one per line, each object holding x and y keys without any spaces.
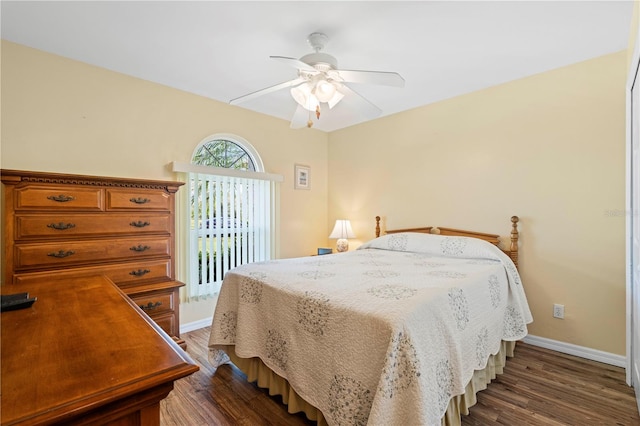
{"x":384,"y":335}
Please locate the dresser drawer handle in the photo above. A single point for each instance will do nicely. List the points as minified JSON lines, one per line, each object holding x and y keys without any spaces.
{"x":150,"y":306}
{"x":61,"y":226}
{"x":140,"y":272}
{"x":61,"y":254}
{"x":140,"y":200}
{"x":139,"y":247}
{"x":140,"y":224}
{"x":61,"y":198}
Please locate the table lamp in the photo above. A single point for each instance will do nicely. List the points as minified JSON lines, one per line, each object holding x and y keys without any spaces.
{"x":342,"y":230}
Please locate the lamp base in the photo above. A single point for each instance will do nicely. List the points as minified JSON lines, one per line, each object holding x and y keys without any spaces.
{"x":342,"y":245}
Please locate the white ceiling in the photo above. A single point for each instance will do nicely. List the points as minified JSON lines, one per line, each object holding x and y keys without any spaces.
{"x":221,"y":50}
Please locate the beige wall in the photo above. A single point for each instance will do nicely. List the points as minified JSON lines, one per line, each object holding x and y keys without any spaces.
{"x":549,"y":148}
{"x":64,"y":116}
{"x":633,"y":33}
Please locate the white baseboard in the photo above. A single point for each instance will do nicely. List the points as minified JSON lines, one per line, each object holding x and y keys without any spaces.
{"x":581,"y":351}
{"x":195,"y":325}
{"x":635,"y":372}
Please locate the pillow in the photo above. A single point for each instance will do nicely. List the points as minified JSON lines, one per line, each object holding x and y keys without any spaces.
{"x":453,"y":246}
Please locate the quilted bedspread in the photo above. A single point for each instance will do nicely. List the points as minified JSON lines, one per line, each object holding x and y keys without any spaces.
{"x":384,"y":335}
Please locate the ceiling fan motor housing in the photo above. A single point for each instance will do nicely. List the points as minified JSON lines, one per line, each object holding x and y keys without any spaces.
{"x":320,"y":61}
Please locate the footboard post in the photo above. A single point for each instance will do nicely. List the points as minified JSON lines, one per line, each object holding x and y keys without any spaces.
{"x":513,"y":250}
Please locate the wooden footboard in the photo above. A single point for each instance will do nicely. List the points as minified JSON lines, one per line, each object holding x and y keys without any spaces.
{"x":494,"y":239}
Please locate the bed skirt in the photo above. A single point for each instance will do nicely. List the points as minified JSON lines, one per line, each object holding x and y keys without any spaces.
{"x":256,"y":371}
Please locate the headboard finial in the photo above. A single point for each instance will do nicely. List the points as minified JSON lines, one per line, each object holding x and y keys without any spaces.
{"x":377,"y":226}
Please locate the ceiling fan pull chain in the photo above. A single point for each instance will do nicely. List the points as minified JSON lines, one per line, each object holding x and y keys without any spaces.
{"x":309,"y":123}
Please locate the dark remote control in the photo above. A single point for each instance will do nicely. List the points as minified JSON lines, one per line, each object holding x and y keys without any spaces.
{"x":10,"y":302}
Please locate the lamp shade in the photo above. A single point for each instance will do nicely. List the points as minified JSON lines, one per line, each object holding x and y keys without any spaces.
{"x":342,"y":229}
{"x":324,"y":90}
{"x":303,"y":96}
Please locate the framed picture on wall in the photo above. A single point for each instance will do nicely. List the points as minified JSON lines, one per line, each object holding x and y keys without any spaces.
{"x":302,"y":177}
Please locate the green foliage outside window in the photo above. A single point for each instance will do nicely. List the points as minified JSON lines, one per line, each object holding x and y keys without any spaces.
{"x":207,"y":275}
{"x":223,"y":153}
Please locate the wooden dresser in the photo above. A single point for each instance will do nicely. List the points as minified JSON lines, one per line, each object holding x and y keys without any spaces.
{"x":71,"y":225}
{"x":84,"y":354}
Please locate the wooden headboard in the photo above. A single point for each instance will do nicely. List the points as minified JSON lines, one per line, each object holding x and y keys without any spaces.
{"x":494,"y":239}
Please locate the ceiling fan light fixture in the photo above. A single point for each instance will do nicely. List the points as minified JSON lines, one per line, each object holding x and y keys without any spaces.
{"x":325,"y":90}
{"x":303,"y":96}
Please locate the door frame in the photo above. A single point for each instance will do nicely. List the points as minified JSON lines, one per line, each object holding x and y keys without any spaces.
{"x":633,"y":323}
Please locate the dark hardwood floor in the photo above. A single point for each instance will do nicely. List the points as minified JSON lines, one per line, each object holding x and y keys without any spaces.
{"x":538,"y":387}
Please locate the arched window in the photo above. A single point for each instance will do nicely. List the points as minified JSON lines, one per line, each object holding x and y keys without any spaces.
{"x":231,"y":211}
{"x":226,"y":152}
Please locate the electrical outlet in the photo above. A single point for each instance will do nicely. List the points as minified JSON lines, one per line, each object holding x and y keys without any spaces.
{"x":558,"y":311}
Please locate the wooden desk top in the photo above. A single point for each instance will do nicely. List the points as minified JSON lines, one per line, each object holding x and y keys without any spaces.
{"x":83,"y":344}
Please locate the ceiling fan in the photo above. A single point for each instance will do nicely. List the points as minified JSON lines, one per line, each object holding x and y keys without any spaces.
{"x":320,"y":83}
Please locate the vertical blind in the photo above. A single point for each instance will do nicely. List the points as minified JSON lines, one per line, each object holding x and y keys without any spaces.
{"x":231,"y":224}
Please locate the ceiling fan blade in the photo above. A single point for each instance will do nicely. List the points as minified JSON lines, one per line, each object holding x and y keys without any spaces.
{"x":300,"y":118}
{"x":267,"y":90}
{"x":295,"y":63}
{"x":383,"y":78}
{"x":358,"y":103}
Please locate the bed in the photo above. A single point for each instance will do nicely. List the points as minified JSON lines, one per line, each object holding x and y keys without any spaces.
{"x":404,"y":330}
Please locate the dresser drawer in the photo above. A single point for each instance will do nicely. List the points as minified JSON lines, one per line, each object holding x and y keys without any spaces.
{"x":61,"y":225}
{"x":124,"y":274}
{"x":139,"y":272}
{"x":125,"y":199}
{"x":155,"y":303}
{"x":167,"y":323}
{"x":56,"y":198}
{"x":66,"y":253}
